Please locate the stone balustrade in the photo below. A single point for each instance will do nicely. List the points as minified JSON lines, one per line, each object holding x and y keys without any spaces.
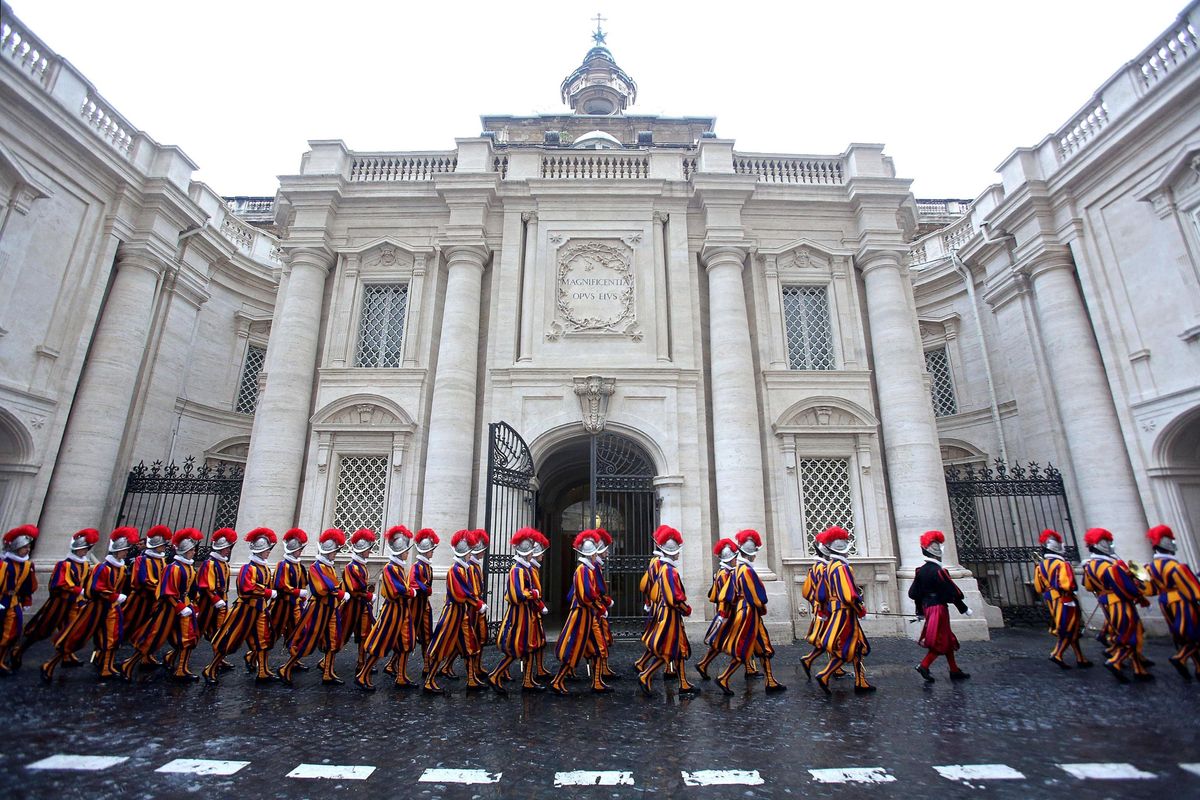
{"x":941,"y":243}
{"x":372,"y":168}
{"x":595,"y":166}
{"x":1084,"y":127}
{"x":251,"y":241}
{"x":942,"y":208}
{"x":790,"y":169}
{"x":255,"y":209}
{"x":24,"y":49}
{"x":1179,"y":44}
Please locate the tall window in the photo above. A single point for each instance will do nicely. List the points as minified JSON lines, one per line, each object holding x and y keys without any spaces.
{"x":825,"y":493}
{"x":247,"y":399}
{"x":806,"y":321}
{"x":381,"y":326}
{"x":937,"y":361}
{"x":361,"y":492}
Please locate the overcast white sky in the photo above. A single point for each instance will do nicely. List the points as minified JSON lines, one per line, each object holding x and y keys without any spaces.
{"x":951,"y":87}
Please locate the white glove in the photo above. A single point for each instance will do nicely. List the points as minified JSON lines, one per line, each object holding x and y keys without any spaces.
{"x":305,"y":594}
{"x":970,"y":611}
{"x":545,"y":611}
{"x":345,"y":596}
{"x":483,"y":609}
{"x":121,"y":599}
{"x":3,"y":607}
{"x":646,"y":609}
{"x":274,"y":594}
{"x":720,"y":617}
{"x":220,"y":605}
{"x":187,"y":611}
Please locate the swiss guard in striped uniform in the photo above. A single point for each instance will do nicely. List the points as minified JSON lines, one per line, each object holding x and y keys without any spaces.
{"x":647,"y":586}
{"x":249,"y":620}
{"x":726,"y":553}
{"x":144,"y":575}
{"x":580,"y":637}
{"x":1054,"y":580}
{"x":1178,"y":593}
{"x":99,"y":616}
{"x":606,"y":540}
{"x":455,"y":633}
{"x":422,"y":576}
{"x":521,"y":632}
{"x":816,"y":592}
{"x":745,"y":636}
{"x":933,"y":591}
{"x":540,"y":546}
{"x":844,"y":639}
{"x":290,"y":583}
{"x":67,"y":583}
{"x":357,"y":614}
{"x":320,"y":624}
{"x":393,"y":629}
{"x":174,"y":618}
{"x":212,"y":586}
{"x":1119,"y":594}
{"x":479,"y":546}
{"x":17,"y":585}
{"x":666,"y":641}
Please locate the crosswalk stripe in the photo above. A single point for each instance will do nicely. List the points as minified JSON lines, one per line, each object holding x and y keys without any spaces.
{"x":979,"y":772}
{"x":1106,"y":772}
{"x":202,"y":766}
{"x":589,"y":778}
{"x":1192,"y":768}
{"x":722,"y":777}
{"x":852,"y":775}
{"x":332,"y":771}
{"x":459,"y":776}
{"x":87,"y":763}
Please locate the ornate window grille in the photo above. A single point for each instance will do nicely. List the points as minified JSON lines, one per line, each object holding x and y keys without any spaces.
{"x":381,"y":325}
{"x":247,"y":399}
{"x":826,"y":497}
{"x":361,"y":493}
{"x":806,"y":322}
{"x":937,"y":361}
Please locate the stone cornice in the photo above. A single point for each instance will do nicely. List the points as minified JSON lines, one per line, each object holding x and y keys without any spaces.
{"x":207,"y":413}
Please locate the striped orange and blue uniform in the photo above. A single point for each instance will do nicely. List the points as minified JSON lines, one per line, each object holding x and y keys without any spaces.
{"x":287,"y":581}
{"x":393,"y":628}
{"x":357,"y":615}
{"x":67,"y":583}
{"x":176,"y":591}
{"x":144,"y":576}
{"x":843,"y":637}
{"x":521,"y":631}
{"x":816,"y":592}
{"x":98,"y":617}
{"x":745,"y":635}
{"x":17,"y":585}
{"x":320,"y":621}
{"x":212,"y":587}
{"x":456,"y":633}
{"x":248,"y":619}
{"x":602,"y":621}
{"x":1178,"y":593}
{"x":646,"y":587}
{"x":1054,"y":580}
{"x":422,"y":612}
{"x":716,"y":596}
{"x":479,"y":620}
{"x":580,"y":637}
{"x":666,"y":638}
{"x":1119,"y":594}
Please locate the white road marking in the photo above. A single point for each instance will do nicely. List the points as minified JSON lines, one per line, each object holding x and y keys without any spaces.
{"x":852,"y":775}
{"x":88,"y":763}
{"x":332,"y":771}
{"x":202,"y":766}
{"x":459,"y":776}
{"x":1106,"y":772}
{"x":722,"y":777}
{"x":1192,"y":768}
{"x":979,"y":772}
{"x":588,"y":778}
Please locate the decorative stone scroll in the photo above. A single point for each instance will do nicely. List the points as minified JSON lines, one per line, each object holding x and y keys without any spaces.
{"x":595,"y":289}
{"x":594,"y":392}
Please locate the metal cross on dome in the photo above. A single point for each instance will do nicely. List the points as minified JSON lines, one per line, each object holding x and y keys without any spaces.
{"x":598,"y":36}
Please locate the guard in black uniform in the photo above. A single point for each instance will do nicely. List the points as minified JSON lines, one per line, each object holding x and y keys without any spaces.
{"x":933,"y":590}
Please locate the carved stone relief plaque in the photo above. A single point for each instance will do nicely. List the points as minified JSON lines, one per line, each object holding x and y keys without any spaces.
{"x":595,"y":289}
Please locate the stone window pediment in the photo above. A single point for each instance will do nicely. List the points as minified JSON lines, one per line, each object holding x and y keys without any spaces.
{"x":825,"y":415}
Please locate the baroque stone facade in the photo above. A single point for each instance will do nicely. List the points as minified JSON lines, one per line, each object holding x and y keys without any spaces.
{"x":786,"y":341}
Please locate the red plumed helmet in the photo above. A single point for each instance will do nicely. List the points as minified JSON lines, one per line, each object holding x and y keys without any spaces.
{"x":524,"y":535}
{"x":820,"y":538}
{"x":126,"y":532}
{"x":1049,"y":534}
{"x":334,"y":535}
{"x":481,"y":537}
{"x":186,"y":534}
{"x":399,"y":530}
{"x":666,"y":533}
{"x":541,"y":539}
{"x":159,"y":531}
{"x":1158,"y":533}
{"x":749,"y":535}
{"x":585,"y":536}
{"x":460,"y":536}
{"x":605,"y":536}
{"x":261,"y":533}
{"x":427,"y":535}
{"x":721,"y":545}
{"x":298,"y":534}
{"x":228,"y":534}
{"x":929,"y":537}
{"x":835,"y":533}
{"x":21,"y":530}
{"x":362,"y":535}
{"x":1096,"y":535}
{"x":89,"y":535}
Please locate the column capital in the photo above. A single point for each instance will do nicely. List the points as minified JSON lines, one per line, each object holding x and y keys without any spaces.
{"x":142,"y":255}
{"x":869,"y":259}
{"x":473,"y":254}
{"x":717,"y":253}
{"x":316,"y":255}
{"x":1047,"y":259}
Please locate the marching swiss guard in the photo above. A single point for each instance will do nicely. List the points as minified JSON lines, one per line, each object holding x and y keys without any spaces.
{"x":212,"y":586}
{"x":455,"y":633}
{"x":393,"y":629}
{"x":99,"y":616}
{"x":521,"y":632}
{"x":581,"y":637}
{"x":425,"y":543}
{"x":291,"y":587}
{"x":606,"y":541}
{"x":666,"y":640}
{"x":17,"y":585}
{"x":249,"y":621}
{"x":319,"y":627}
{"x":540,"y":545}
{"x":1119,"y":594}
{"x":816,"y":591}
{"x":745,"y":636}
{"x":647,"y":586}
{"x":1054,"y":580}
{"x":726,"y":553}
{"x":932,"y":591}
{"x":357,"y":615}
{"x":67,"y":583}
{"x":844,"y":638}
{"x":174,"y":617}
{"x":481,"y":542}
{"x":1179,"y":598}
{"x":144,"y":576}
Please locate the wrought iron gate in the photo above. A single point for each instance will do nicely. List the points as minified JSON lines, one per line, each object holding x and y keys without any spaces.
{"x":511,"y":504}
{"x":184,"y":496}
{"x":998,"y":513}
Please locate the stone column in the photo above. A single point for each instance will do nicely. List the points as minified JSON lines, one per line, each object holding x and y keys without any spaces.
{"x":280,"y":433}
{"x":81,"y":491}
{"x":1084,"y":398}
{"x":450,"y":448}
{"x":910,"y":436}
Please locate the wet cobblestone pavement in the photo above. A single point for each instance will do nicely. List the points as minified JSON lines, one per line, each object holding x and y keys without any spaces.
{"x":1045,"y":733}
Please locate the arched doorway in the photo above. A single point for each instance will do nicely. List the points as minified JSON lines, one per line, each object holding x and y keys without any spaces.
{"x":1178,"y":454}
